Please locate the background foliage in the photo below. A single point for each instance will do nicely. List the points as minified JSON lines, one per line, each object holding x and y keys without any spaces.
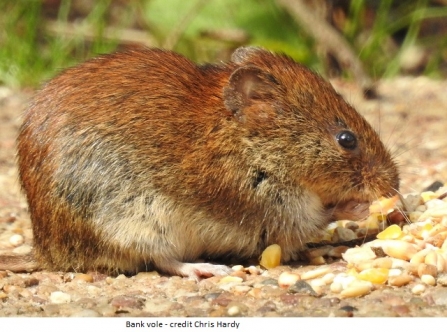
{"x":40,"y":37}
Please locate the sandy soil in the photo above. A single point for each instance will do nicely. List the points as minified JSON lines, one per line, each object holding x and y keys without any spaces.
{"x":410,"y":115}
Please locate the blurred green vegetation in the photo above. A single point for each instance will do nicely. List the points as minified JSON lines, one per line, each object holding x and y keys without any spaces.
{"x":40,"y":37}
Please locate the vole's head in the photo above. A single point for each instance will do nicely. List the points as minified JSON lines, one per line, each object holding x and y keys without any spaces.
{"x":301,"y":133}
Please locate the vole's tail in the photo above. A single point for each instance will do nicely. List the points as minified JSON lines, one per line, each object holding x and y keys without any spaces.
{"x":18,"y":263}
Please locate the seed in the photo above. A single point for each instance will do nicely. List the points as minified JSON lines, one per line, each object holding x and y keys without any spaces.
{"x":372,"y":222}
{"x":434,"y":204}
{"x":383,"y":262}
{"x":398,"y":249}
{"x":286,"y":279}
{"x":428,"y":196}
{"x":418,"y":289}
{"x":399,"y":263}
{"x":228,"y":279}
{"x":83,"y":277}
{"x":413,"y":269}
{"x":356,"y":255}
{"x":437,"y":240}
{"x":427,"y":269}
{"x":271,"y":256}
{"x":419,"y":257}
{"x":365,"y":265}
{"x":317,"y":283}
{"x":356,"y":288}
{"x":374,"y":275}
{"x":328,"y":278}
{"x":315,"y":273}
{"x":238,"y":268}
{"x":391,"y":232}
{"x":415,"y":216}
{"x":428,"y":279}
{"x":317,"y":261}
{"x":383,"y":205}
{"x":437,"y":229}
{"x":437,"y":260}
{"x":394,"y":272}
{"x":396,"y":217}
{"x":400,"y":280}
{"x":336,"y":287}
{"x":253,"y":270}
{"x":344,"y":280}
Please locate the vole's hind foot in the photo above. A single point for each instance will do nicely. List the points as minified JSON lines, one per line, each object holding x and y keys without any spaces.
{"x":194,"y":271}
{"x":203,"y":270}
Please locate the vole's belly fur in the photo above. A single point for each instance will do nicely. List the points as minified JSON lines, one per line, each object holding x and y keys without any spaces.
{"x":134,"y":226}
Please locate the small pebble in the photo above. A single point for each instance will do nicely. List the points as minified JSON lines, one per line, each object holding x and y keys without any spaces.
{"x":60,"y":297}
{"x":236,"y":309}
{"x":83,"y":277}
{"x":238,"y":268}
{"x":253,"y":270}
{"x":269,"y":282}
{"x":86,"y":313}
{"x":343,"y":234}
{"x":442,"y":279}
{"x":24,"y":249}
{"x":16,"y":240}
{"x":239,"y":274}
{"x":418,"y":289}
{"x":428,"y":279}
{"x":231,"y":279}
{"x":302,"y":287}
{"x":233,"y":311}
{"x":241,"y":289}
{"x":352,"y":225}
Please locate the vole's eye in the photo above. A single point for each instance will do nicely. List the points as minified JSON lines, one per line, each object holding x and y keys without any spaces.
{"x":346,"y":139}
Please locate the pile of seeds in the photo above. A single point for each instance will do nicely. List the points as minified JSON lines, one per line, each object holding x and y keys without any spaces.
{"x":409,"y":248}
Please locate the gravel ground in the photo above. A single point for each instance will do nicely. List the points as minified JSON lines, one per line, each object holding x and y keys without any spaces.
{"x":410,"y":115}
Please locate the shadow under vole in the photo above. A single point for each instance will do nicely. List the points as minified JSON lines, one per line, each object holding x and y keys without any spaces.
{"x":144,"y":159}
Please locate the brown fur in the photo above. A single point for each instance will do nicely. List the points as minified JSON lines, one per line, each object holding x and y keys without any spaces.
{"x":143,"y":158}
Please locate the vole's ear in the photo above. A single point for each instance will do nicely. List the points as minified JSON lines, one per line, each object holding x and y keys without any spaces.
{"x":250,"y":92}
{"x":242,"y":55}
